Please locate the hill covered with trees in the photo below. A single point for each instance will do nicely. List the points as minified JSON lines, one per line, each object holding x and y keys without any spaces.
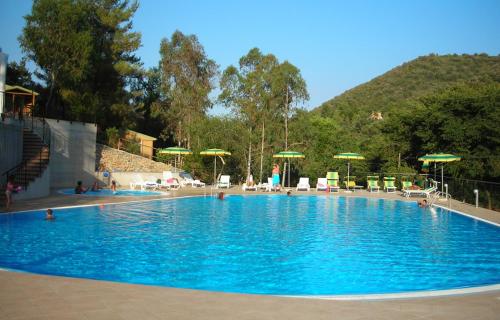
{"x":412,"y":80}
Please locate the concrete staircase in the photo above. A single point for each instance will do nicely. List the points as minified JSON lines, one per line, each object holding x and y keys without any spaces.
{"x":35,"y":161}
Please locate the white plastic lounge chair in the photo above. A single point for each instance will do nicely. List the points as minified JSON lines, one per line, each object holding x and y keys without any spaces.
{"x":198,"y":184}
{"x":187,"y":180}
{"x":322,"y":184}
{"x":143,"y":184}
{"x":224,"y":182}
{"x":269,"y":185}
{"x":422,"y":192}
{"x":303,"y":184}
{"x":169,"y":181}
{"x":249,"y":188}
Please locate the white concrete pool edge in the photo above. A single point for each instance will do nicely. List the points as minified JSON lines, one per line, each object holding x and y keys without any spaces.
{"x":467,"y":215}
{"x":402,"y":295}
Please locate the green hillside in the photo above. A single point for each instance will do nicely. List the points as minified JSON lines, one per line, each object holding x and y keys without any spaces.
{"x":412,"y":80}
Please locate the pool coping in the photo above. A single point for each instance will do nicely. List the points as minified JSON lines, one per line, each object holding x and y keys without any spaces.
{"x":354,"y":297}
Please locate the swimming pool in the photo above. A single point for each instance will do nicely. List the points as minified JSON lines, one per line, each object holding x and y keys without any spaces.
{"x":109,"y":193}
{"x":268,"y":244}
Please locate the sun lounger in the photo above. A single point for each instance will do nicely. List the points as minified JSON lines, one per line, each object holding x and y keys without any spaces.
{"x":352,"y":185}
{"x":245,"y":187}
{"x":422,"y":192}
{"x":269,"y":185}
{"x":405,"y":185}
{"x":169,"y":182}
{"x":149,"y":184}
{"x":303,"y":184}
{"x":322,"y":184}
{"x":389,"y":184}
{"x":333,"y":181}
{"x":372,"y":184}
{"x":224,"y":182}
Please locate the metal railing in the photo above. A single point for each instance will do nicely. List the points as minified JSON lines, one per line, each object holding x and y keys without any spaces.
{"x":21,"y":171}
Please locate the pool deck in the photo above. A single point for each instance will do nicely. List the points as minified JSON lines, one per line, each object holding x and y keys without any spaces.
{"x":31,"y":296}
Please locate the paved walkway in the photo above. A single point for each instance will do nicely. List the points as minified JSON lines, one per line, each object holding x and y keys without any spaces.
{"x":30,"y":296}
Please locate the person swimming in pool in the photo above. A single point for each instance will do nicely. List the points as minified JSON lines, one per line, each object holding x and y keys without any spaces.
{"x":50,"y":215}
{"x":422,"y":203}
{"x":220,"y":196}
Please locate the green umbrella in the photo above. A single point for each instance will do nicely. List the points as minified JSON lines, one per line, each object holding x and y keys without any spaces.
{"x":175,"y":151}
{"x":215,"y":153}
{"x":288,"y":155}
{"x":348,"y":156}
{"x":439,"y":157}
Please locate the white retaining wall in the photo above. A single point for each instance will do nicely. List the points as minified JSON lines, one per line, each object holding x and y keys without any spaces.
{"x":38,"y":188}
{"x":72,"y":153}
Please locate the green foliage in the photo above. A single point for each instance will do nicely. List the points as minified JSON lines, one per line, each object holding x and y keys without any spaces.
{"x":187,"y":77}
{"x":19,"y":75}
{"x":113,"y":136}
{"x":462,"y":120}
{"x":84,"y":50}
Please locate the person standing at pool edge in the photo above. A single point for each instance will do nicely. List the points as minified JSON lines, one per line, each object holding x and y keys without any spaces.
{"x":276,"y":176}
{"x":9,"y":190}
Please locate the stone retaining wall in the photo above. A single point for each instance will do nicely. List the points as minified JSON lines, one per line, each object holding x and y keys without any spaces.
{"x":114,"y":160}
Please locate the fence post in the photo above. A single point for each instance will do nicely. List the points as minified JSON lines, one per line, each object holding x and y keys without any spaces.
{"x":476,"y":192}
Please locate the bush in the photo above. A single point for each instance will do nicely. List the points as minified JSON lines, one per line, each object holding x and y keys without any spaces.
{"x":112,"y":137}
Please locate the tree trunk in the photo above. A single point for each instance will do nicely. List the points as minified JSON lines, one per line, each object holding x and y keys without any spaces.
{"x":286,"y":120}
{"x":286,"y":136}
{"x":51,"y":92}
{"x":262,"y":151}
{"x":249,"y":155}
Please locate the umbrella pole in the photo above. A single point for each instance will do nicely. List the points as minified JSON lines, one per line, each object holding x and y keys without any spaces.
{"x":442,"y":179}
{"x":347,"y":176}
{"x":288,"y":173}
{"x":215,"y":171}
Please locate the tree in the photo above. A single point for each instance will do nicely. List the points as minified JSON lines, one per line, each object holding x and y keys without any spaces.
{"x":84,"y":50}
{"x":187,"y":78}
{"x":19,"y":75}
{"x":248,"y":91}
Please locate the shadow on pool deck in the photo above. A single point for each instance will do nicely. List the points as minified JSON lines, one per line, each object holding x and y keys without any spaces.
{"x":30,"y":296}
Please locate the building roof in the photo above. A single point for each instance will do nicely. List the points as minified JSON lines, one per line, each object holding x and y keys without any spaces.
{"x":9,"y":88}
{"x":142,"y":135}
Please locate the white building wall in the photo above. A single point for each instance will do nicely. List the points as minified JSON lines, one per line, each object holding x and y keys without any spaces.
{"x":72,"y":153}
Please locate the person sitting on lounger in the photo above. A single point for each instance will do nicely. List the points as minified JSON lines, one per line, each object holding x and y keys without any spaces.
{"x":249,"y":181}
{"x":95,"y":186}
{"x":79,"y":189}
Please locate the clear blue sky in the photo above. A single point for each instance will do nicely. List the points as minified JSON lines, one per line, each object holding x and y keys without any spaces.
{"x":336,"y":44}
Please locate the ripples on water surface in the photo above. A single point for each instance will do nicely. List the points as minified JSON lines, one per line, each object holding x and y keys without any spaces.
{"x":269,"y":244}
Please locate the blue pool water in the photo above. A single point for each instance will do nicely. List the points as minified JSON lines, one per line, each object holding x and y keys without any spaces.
{"x":270,"y":244}
{"x":109,"y":193}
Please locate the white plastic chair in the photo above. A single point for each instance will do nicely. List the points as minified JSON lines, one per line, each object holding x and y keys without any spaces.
{"x":303,"y":184}
{"x":224,"y":182}
{"x":322,"y":184}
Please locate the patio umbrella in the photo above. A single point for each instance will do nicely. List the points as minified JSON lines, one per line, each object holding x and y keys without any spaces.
{"x":442,"y":158}
{"x":175,"y":151}
{"x":215,"y":153}
{"x":348,"y":156}
{"x":288,"y":155}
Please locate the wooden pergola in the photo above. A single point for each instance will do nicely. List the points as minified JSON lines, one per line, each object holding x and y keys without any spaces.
{"x":27,"y":102}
